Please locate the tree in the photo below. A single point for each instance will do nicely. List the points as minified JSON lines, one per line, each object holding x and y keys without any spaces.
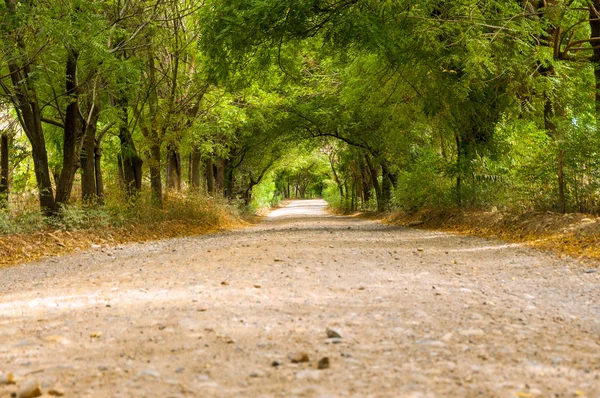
{"x":22,"y":92}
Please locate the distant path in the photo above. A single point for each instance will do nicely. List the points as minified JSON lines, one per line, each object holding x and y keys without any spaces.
{"x":421,"y":314}
{"x":300,"y":208}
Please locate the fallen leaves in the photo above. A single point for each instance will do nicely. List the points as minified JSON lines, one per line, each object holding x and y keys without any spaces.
{"x":521,"y":394}
{"x":7,"y":378}
{"x":19,"y":248}
{"x":574,"y":234}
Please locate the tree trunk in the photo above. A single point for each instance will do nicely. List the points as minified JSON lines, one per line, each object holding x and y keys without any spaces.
{"x":220,"y":178}
{"x":552,"y":131}
{"x":562,"y":204}
{"x":353,"y":202}
{"x":120,"y":171}
{"x":89,"y":184}
{"x":98,"y":170}
{"x":335,"y":175}
{"x":385,"y":170}
{"x":189,"y":170}
{"x":229,"y":175}
{"x":173,"y":167}
{"x":375,"y":181}
{"x":248,"y":192}
{"x":72,"y":132}
{"x":210,"y":177}
{"x":150,"y":130}
{"x":88,"y":166}
{"x":195,"y":169}
{"x":366,"y":184}
{"x":25,"y":100}
{"x":155,"y":174}
{"x":130,"y":160}
{"x":3,"y":171}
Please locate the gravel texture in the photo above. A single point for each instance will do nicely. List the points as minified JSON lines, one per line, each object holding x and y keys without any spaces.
{"x":418,"y":314}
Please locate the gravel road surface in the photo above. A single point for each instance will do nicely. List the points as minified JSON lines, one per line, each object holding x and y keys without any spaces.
{"x":304,"y":304}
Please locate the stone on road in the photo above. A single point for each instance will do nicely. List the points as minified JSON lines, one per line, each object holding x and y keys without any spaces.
{"x":420,"y":313}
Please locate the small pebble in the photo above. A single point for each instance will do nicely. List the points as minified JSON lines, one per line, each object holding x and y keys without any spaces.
{"x":333,"y":333}
{"x":299,"y":357}
{"x":323,"y":363}
{"x":149,"y":372}
{"x":56,"y":391}
{"x":8,"y":378}
{"x":30,"y":389}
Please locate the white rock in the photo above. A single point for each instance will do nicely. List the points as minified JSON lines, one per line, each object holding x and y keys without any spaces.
{"x":309,"y":374}
{"x":333,"y":333}
{"x":149,"y":372}
{"x":30,"y":389}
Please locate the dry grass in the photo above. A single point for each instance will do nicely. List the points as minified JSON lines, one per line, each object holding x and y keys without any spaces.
{"x":576,"y":235}
{"x":81,"y":229}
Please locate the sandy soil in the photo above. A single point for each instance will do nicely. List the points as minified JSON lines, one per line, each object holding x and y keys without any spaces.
{"x":420,"y":314}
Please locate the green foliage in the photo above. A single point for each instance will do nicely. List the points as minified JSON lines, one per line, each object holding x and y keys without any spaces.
{"x":425,"y":185}
{"x":77,"y":217}
{"x":369,"y":104}
{"x":332,"y":196}
{"x":263,"y":195}
{"x":21,"y":221}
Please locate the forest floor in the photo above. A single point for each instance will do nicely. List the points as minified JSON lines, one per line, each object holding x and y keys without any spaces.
{"x":251,"y":313}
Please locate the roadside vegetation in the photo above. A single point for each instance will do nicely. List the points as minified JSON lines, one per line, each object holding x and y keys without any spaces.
{"x":121,"y":114}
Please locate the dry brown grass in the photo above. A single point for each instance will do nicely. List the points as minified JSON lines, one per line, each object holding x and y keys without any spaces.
{"x":576,"y":235}
{"x":180,"y":219}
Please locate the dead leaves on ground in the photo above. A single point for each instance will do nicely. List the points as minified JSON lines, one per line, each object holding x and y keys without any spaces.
{"x":576,"y":235}
{"x":19,"y":248}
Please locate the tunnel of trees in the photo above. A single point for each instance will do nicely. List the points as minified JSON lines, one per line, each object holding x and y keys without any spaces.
{"x":372,"y":104}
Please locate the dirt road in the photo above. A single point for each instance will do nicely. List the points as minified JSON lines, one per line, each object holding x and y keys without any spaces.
{"x":420,"y":314}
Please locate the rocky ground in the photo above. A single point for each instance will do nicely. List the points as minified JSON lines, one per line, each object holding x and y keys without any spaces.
{"x":304,"y":304}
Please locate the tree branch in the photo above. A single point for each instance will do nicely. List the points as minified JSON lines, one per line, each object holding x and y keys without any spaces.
{"x":53,"y":122}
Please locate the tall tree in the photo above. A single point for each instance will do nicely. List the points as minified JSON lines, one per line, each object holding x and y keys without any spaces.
{"x":23,"y":93}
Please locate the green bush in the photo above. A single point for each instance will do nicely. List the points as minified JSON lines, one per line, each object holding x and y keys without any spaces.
{"x":76,"y":217}
{"x":331,"y":194}
{"x":425,"y":184}
{"x":263,"y":195}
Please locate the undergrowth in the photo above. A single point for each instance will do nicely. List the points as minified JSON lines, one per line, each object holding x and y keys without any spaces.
{"x":26,"y":236}
{"x":24,"y":216}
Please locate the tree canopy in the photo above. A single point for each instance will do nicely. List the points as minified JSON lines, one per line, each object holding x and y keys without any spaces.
{"x":372,"y":104}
